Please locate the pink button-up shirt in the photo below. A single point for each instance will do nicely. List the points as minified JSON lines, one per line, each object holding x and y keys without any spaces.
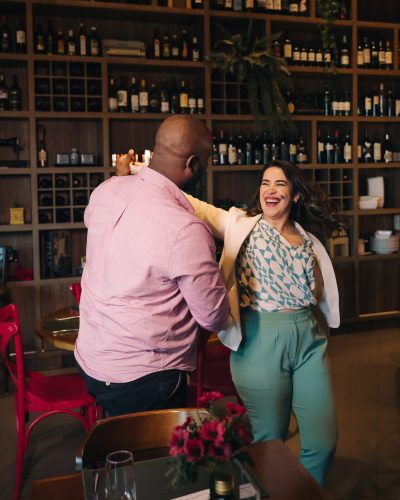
{"x":150,"y":279}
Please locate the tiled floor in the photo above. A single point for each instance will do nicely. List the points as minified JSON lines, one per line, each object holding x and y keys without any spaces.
{"x":366,"y":374}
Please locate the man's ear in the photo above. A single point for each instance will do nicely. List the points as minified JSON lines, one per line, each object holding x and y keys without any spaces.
{"x":192,"y":163}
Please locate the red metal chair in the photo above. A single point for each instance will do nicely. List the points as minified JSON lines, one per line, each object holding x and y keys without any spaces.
{"x":76,"y":290}
{"x":37,"y":392}
{"x":213,"y":371}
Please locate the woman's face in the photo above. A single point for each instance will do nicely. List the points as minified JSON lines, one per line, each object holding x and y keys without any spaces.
{"x":276,"y":196}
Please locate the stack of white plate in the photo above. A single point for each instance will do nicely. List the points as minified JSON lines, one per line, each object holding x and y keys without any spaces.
{"x":384,"y":245}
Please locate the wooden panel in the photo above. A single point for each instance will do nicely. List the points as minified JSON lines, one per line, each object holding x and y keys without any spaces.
{"x":345,"y":279}
{"x":15,"y":191}
{"x":379,"y":286}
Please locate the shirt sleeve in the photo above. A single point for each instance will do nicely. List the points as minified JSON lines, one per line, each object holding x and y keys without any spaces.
{"x":215,"y":218}
{"x":192,"y":264}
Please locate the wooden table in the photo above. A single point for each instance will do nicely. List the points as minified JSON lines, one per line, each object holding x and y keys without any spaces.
{"x":276,"y":467}
{"x":60,"y":329}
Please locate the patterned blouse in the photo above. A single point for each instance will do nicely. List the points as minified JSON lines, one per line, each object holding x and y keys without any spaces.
{"x":272,"y":274}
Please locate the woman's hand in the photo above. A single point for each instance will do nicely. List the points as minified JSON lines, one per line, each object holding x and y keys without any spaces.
{"x":122,"y":166}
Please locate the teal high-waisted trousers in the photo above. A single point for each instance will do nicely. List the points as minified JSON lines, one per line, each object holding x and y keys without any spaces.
{"x":281,"y":365}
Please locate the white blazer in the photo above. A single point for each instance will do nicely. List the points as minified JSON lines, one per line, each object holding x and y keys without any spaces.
{"x":233,"y":227}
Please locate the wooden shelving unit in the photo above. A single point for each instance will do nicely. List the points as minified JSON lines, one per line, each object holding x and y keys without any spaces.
{"x":369,"y":285}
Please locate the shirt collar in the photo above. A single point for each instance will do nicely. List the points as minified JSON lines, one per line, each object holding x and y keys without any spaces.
{"x":148,"y":174}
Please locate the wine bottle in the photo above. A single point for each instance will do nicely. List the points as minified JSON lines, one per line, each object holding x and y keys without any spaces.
{"x":83,"y":42}
{"x":337,"y":148}
{"x":214,"y":154}
{"x":154,"y":98}
{"x":42,"y":152}
{"x":374,"y":55}
{"x":382,"y":100}
{"x":112,"y":96}
{"x":175,"y":49}
{"x":94,"y":42}
{"x":302,"y":156}
{"x":248,"y":149}
{"x":156,"y":47}
{"x":71,"y":43}
{"x":134,"y":96}
{"x":122,"y":96}
{"x":257,"y":151}
{"x":328,"y":148}
{"x":14,"y":96}
{"x":20,"y":37}
{"x":377,"y":150}
{"x":344,"y":53}
{"x":366,"y":53}
{"x":49,"y":38}
{"x":381,"y":55}
{"x":347,"y":148}
{"x":3,"y":93}
{"x":387,"y":149}
{"x":184,"y":49}
{"x":192,"y":100}
{"x":165,"y":47}
{"x":320,"y":148}
{"x":183,"y":98}
{"x":388,"y":56}
{"x":143,"y":97}
{"x":241,"y":149}
{"x":5,"y":36}
{"x":39,"y":40}
{"x":222,"y":149}
{"x":366,"y":148}
{"x":195,"y":50}
{"x":232,"y":151}
{"x":60,"y":43}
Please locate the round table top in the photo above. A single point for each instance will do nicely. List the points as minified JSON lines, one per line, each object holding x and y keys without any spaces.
{"x":60,"y":328}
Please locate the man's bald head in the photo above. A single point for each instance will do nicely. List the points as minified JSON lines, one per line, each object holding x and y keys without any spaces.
{"x":182,"y":147}
{"x":183,"y":136}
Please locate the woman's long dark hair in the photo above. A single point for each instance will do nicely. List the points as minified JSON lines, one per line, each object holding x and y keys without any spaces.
{"x":313,"y":210}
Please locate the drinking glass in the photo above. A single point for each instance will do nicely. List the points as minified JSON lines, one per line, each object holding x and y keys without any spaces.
{"x":120,"y":481}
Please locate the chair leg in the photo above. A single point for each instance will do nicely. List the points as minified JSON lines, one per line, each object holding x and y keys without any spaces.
{"x":19,"y":462}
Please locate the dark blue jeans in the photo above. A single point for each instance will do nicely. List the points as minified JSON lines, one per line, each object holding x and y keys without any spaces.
{"x":157,"y":391}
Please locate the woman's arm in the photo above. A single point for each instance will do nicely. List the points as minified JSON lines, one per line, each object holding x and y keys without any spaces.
{"x":215,"y":218}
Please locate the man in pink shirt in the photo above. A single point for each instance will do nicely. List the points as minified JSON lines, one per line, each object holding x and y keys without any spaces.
{"x":150,"y":278}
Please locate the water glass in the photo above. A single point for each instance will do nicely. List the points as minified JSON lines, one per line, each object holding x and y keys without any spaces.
{"x":120,"y":480}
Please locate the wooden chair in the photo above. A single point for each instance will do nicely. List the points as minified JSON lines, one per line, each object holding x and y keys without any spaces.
{"x":146,"y":434}
{"x":213,"y":371}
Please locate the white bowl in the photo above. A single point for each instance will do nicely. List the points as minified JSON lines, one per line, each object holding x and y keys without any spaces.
{"x":371,"y":202}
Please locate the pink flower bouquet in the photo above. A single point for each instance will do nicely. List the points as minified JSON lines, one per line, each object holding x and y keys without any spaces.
{"x":207,"y":443}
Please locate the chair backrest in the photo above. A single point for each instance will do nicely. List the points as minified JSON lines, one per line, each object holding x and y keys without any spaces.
{"x":146,"y":434}
{"x":76,"y":290}
{"x":10,"y":329}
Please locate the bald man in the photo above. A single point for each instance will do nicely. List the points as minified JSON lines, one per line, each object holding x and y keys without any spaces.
{"x":150,"y":278}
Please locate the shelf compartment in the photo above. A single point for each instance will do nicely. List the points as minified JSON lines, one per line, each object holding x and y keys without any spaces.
{"x":379,"y":287}
{"x":15,"y":191}
{"x":391,"y":185}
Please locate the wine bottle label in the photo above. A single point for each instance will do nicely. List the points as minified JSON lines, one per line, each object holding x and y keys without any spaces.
{"x":175,"y":51}
{"x":367,"y":56}
{"x":277,"y":5}
{"x":388,"y":156}
{"x":269,"y":4}
{"x":345,"y":61}
{"x":157,"y":51}
{"x":360,"y":58}
{"x":287,"y":50}
{"x":183,"y":100}
{"x":164,"y":107}
{"x":389,"y":57}
{"x":195,"y":55}
{"x":42,"y":157}
{"x":192,"y":103}
{"x":346,"y":106}
{"x":293,"y":7}
{"x":20,"y":37}
{"x":368,"y":104}
{"x":377,"y":151}
{"x":347,"y":152}
{"x":232,"y":155}
{"x":318,"y":57}
{"x":143,"y":98}
{"x":375,"y":100}
{"x":303,"y":56}
{"x":335,"y":106}
{"x":359,"y":150}
{"x":228,"y":4}
{"x":82,"y":45}
{"x":223,"y":148}
{"x":311,"y":57}
{"x":122,"y":98}
{"x":329,"y":147}
{"x":296,"y":55}
{"x":112,"y":104}
{"x":321,"y":147}
{"x":134,"y":103}
{"x":301,"y":157}
{"x":382,"y":57}
{"x":397,"y":107}
{"x":327,"y":57}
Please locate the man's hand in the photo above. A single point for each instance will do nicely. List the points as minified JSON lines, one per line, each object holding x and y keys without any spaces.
{"x":122,"y":166}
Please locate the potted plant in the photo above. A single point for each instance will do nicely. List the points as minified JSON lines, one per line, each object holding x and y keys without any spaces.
{"x":267,"y":77}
